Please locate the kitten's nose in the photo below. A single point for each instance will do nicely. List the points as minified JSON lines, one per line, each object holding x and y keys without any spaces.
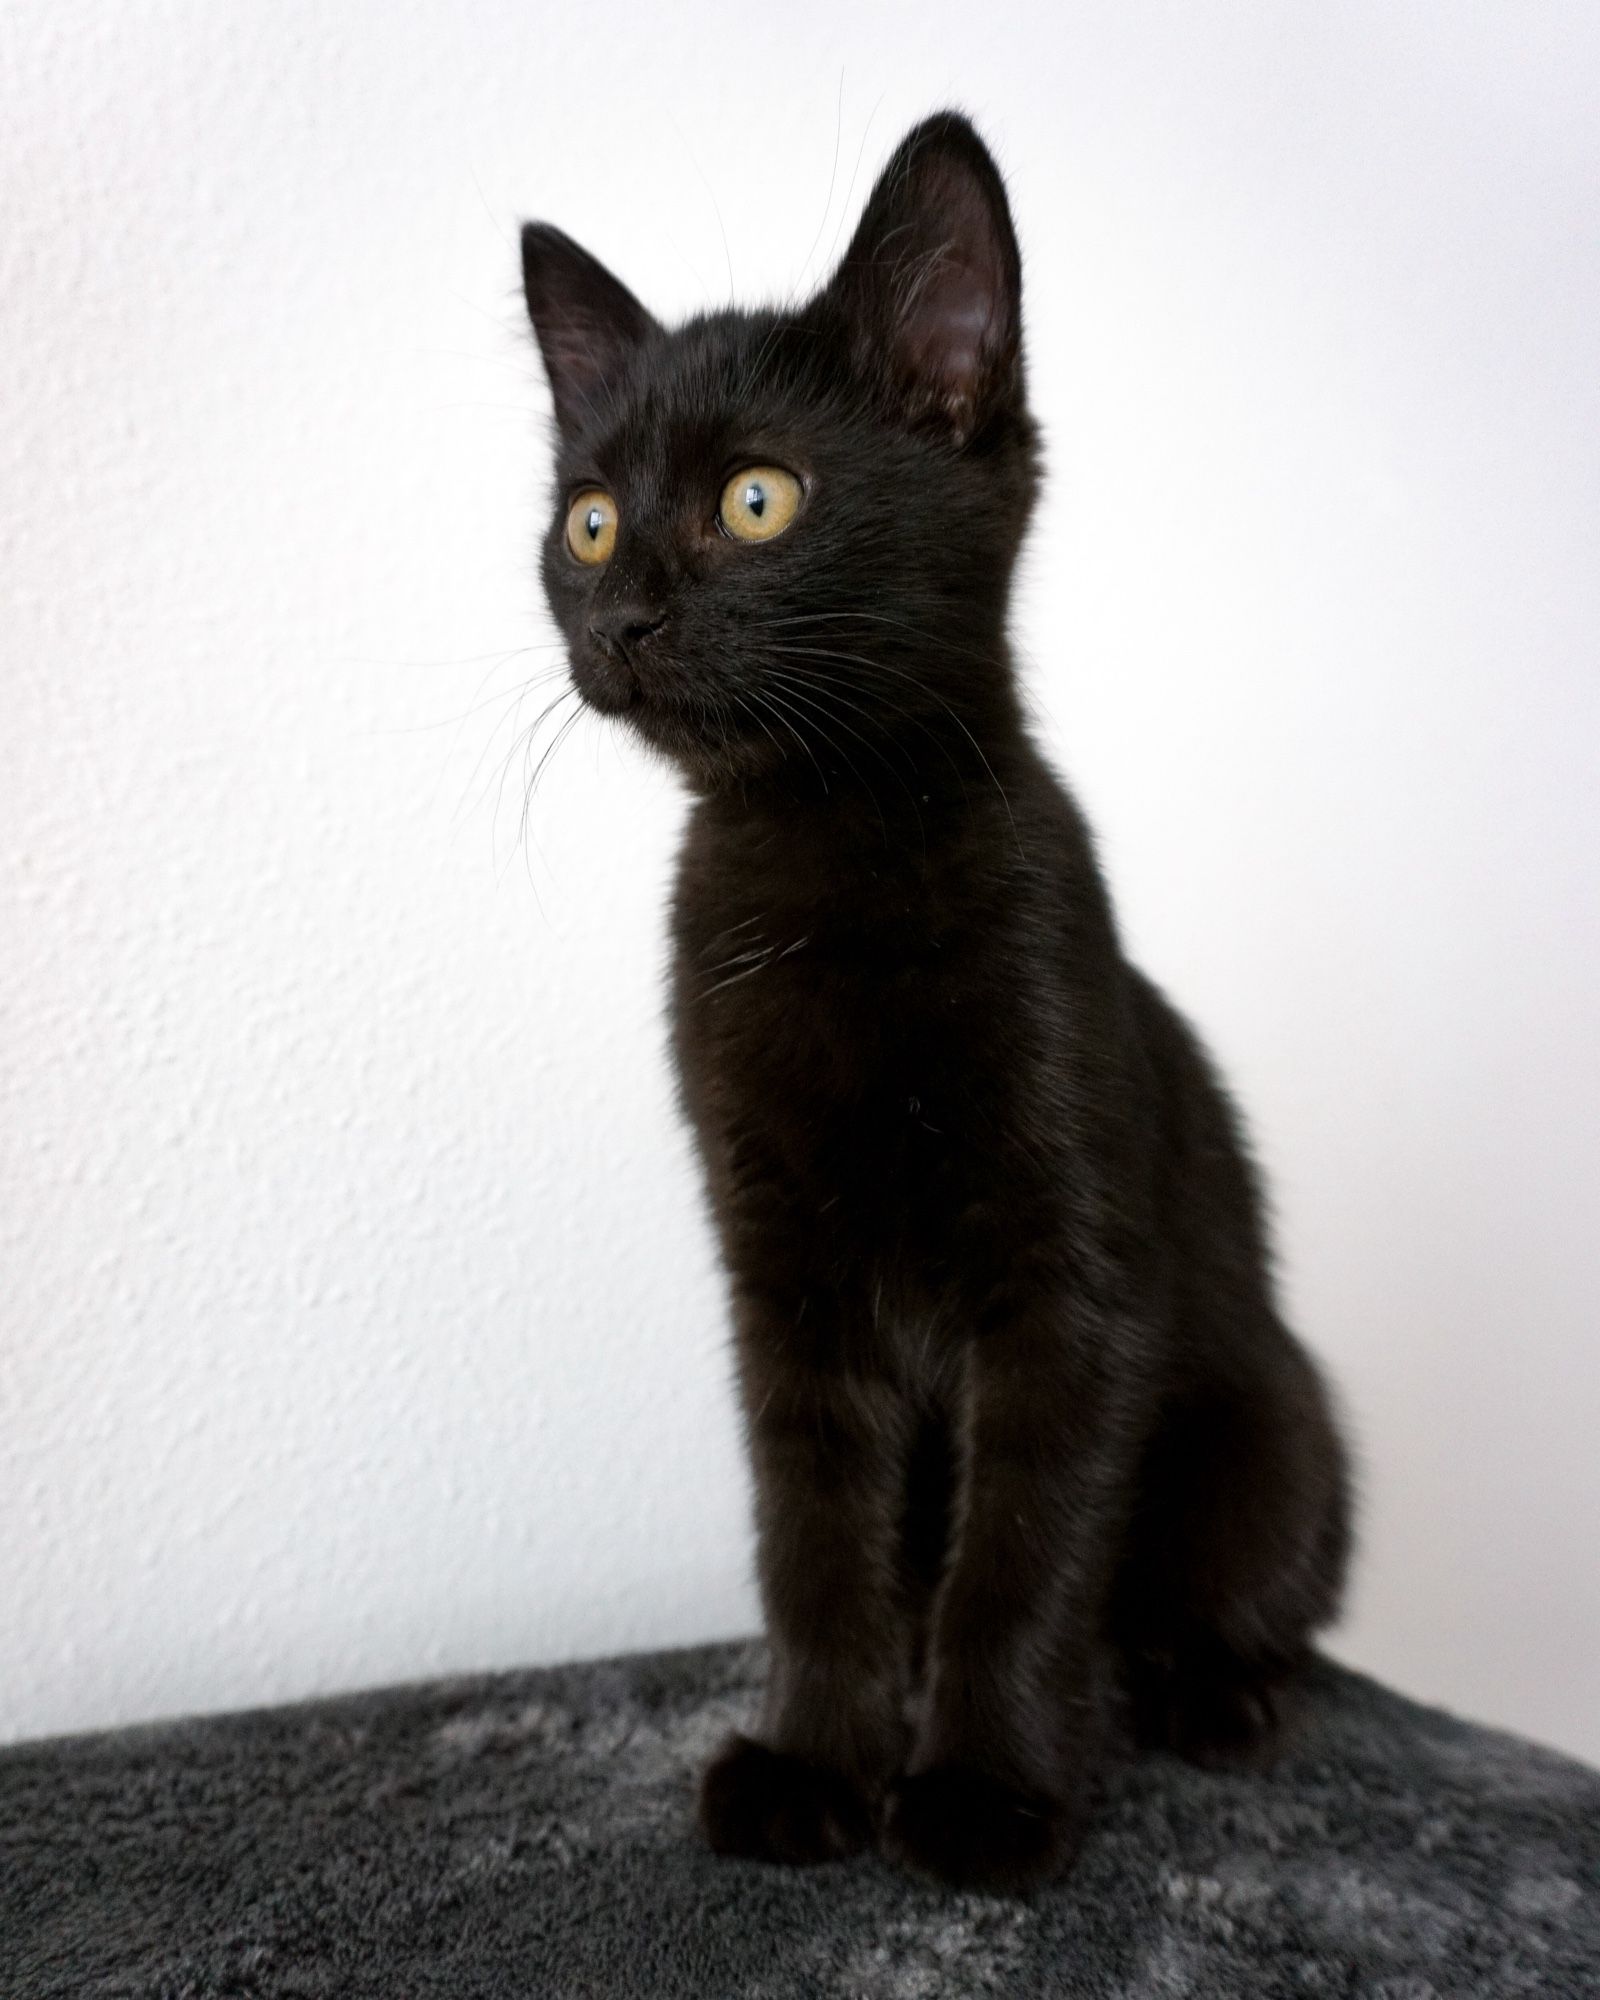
{"x":621,"y":630}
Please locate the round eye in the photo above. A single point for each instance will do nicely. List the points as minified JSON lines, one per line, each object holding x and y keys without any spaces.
{"x":592,"y":526}
{"x":759,"y":503}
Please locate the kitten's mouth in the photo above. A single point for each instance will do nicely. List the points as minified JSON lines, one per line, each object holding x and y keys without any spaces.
{"x":610,"y":688}
{"x":651,"y":700}
{"x":669,"y":716}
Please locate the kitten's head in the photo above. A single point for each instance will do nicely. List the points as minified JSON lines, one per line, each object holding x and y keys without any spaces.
{"x":785,"y":539}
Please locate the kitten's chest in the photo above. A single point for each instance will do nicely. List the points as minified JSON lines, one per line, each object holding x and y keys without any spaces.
{"x":842,"y":1014}
{"x":840,"y":1063}
{"x":787,"y":1012}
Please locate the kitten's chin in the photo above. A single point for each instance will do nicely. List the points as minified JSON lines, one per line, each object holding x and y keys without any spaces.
{"x":672,"y":731}
{"x":708,"y":749}
{"x":607,"y":693}
{"x":708,"y":743}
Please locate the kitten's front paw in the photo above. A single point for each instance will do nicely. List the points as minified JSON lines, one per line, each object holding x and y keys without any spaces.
{"x":976,"y":1833}
{"x":773,"y":1807}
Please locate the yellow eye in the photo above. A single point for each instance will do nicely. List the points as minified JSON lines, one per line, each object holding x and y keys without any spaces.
{"x":592,"y":526}
{"x":760,"y":503}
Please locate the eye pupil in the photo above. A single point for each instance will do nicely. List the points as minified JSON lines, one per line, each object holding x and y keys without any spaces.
{"x":758,"y":503}
{"x":591,"y":527}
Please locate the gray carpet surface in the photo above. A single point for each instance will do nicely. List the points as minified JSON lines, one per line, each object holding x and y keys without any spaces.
{"x":531,"y":1834}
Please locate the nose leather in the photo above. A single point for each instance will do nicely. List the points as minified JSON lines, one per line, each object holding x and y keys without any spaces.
{"x":623,"y":630}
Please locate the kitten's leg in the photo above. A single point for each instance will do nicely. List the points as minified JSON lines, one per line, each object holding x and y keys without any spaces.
{"x":1238,"y":1552}
{"x":998,"y":1784}
{"x":827,"y":1449}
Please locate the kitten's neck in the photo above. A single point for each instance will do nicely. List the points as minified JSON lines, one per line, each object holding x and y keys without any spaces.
{"x":843,"y":836}
{"x":917,"y":754}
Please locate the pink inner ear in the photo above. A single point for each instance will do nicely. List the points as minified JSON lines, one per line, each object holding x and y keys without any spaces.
{"x":580,"y":355}
{"x":930,"y":287}
{"x":944,"y":335}
{"x":578,"y":349}
{"x":949,"y":322}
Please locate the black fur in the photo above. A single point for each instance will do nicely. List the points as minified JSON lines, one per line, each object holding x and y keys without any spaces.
{"x":1029,"y":1437}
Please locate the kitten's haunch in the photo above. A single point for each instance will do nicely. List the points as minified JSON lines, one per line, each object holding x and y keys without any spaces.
{"x":1033,"y":1450}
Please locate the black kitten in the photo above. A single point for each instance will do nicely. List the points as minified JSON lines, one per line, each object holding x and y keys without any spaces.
{"x":1029,"y":1438}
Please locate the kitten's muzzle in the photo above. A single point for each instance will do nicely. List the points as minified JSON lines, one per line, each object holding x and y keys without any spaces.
{"x":615,"y":673}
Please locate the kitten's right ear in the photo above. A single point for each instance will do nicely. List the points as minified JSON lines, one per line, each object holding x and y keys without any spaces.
{"x":587,"y":322}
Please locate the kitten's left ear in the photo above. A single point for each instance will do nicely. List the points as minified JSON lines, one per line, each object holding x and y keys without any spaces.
{"x":931,"y":286}
{"x":588,"y":322}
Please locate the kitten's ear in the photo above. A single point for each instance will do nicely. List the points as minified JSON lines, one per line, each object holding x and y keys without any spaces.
{"x":587,"y":321}
{"x":931,"y":286}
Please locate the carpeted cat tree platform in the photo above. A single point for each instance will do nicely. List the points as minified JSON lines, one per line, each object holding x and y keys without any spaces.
{"x":530,"y":1835}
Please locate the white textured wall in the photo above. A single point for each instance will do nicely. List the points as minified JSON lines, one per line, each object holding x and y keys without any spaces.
{"x":358,"y":1316}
